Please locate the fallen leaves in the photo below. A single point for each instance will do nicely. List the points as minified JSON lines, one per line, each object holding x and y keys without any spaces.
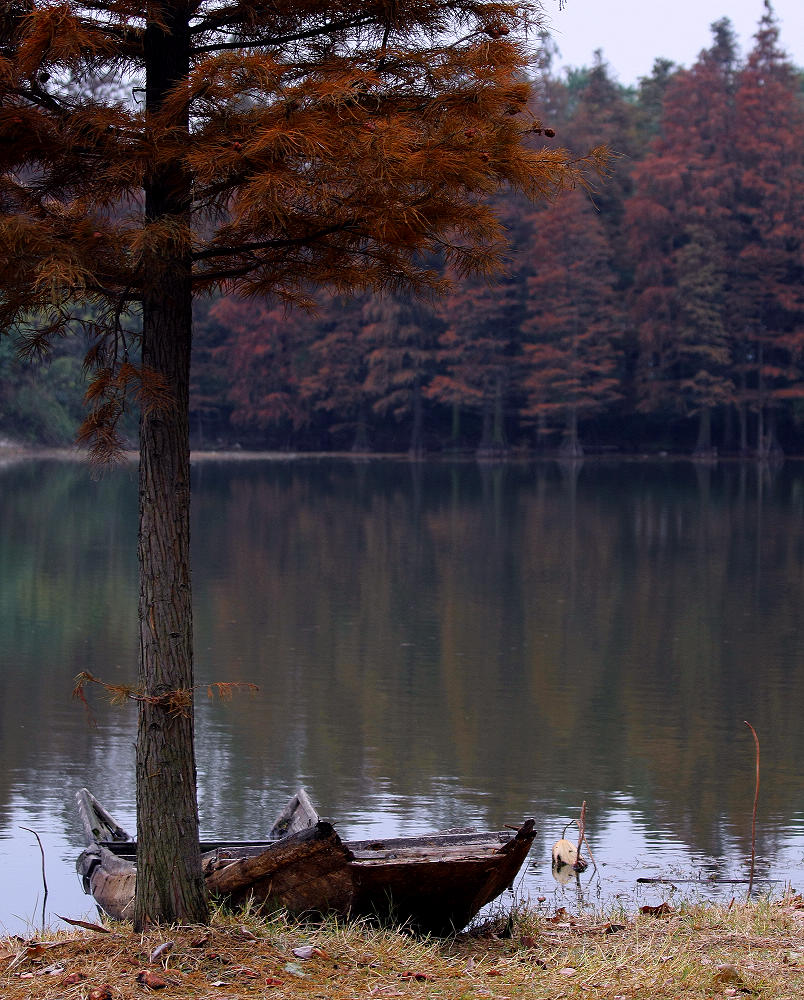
{"x":34,"y":950}
{"x":72,"y":979}
{"x":160,"y":951}
{"x":308,"y":951}
{"x":87,"y":926}
{"x":153,"y":980}
{"x":245,"y":971}
{"x":295,"y":970}
{"x":731,"y":977}
{"x":737,"y":953}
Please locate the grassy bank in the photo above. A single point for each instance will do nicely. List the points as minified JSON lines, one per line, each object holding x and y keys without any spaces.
{"x":695,"y":951}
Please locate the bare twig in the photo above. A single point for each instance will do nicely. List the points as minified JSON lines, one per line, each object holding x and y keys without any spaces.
{"x":754,"y":815}
{"x":581,"y":823}
{"x":44,"y":877}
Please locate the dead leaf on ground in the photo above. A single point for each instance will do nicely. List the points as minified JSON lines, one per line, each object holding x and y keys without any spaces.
{"x":55,"y":969}
{"x":160,"y":950}
{"x":152,"y":980}
{"x":244,"y":970}
{"x":274,"y":981}
{"x":100,"y":993}
{"x":35,"y":950}
{"x":308,"y":951}
{"x":86,"y":924}
{"x":419,"y":977}
{"x":729,"y":975}
{"x":662,"y":910}
{"x":295,"y":970}
{"x":72,"y":979}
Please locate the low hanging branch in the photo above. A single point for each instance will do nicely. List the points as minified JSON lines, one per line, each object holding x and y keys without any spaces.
{"x":754,"y":814}
{"x":177,"y":701}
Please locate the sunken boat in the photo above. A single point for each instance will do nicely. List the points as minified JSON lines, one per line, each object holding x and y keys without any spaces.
{"x":432,"y":884}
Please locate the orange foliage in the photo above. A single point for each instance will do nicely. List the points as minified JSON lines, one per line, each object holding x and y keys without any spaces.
{"x":316,"y":143}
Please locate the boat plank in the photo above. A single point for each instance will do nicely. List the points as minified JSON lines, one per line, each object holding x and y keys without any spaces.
{"x":306,"y":872}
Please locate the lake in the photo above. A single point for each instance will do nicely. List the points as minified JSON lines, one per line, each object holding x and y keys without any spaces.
{"x":435,"y":645}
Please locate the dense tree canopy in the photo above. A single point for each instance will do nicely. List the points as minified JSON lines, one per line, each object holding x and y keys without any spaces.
{"x":701,"y":221}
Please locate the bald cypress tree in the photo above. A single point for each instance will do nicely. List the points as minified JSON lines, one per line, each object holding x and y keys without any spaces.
{"x":682,"y":232}
{"x":769,"y":268}
{"x":260,"y":148}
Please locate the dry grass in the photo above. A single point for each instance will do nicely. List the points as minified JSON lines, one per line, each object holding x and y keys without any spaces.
{"x":696,"y":951}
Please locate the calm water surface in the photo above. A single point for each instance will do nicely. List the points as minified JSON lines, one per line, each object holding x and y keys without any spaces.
{"x":435,"y":645}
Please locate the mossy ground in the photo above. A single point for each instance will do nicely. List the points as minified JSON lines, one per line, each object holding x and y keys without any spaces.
{"x":693,"y":951}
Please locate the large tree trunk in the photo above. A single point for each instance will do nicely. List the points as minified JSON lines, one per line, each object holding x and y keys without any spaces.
{"x":416,"y":448}
{"x":571,"y":445}
{"x":170,"y":884}
{"x":703,"y":445}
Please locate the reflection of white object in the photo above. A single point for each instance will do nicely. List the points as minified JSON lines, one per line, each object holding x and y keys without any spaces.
{"x":563,"y":874}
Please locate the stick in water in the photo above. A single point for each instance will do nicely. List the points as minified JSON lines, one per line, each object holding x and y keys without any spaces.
{"x":44,"y":879}
{"x":754,"y":816}
{"x":581,"y":824}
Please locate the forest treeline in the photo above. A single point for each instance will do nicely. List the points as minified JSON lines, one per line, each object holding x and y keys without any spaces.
{"x":661,"y":311}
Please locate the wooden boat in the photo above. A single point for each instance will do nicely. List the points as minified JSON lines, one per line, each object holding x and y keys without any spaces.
{"x":433,"y":884}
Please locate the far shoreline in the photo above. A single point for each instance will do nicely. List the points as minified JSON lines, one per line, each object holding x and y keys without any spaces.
{"x":12,"y":452}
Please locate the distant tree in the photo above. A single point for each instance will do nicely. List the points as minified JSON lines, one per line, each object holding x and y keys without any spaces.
{"x":603,"y":107}
{"x":649,"y":101}
{"x":572,"y":320}
{"x":705,"y":377}
{"x":263,"y":149}
{"x":334,"y":382}
{"x":682,"y":235}
{"x":769,"y":281}
{"x":209,"y":376}
{"x":41,"y":406}
{"x":264,"y":353}
{"x":478,"y":355}
{"x":398,"y":337}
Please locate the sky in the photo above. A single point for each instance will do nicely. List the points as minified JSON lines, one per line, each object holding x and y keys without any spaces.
{"x":633,"y":33}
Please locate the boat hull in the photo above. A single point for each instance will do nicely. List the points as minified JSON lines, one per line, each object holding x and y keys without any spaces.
{"x":433,"y":884}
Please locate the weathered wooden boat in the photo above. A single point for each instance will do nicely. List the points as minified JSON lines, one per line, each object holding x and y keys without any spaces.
{"x":433,"y":884}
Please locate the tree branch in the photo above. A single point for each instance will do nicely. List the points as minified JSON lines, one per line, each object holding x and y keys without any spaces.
{"x":277,"y":244}
{"x":234,"y":15}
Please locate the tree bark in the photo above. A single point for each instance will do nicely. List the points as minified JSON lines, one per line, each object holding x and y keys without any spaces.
{"x":416,"y":448}
{"x":170,"y":884}
{"x":571,"y":445}
{"x":703,"y":445}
